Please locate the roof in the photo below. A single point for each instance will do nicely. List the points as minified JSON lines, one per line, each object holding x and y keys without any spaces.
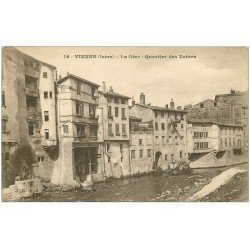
{"x":77,"y":78}
{"x":160,"y":108}
{"x":215,"y":123}
{"x":111,"y":93}
{"x":233,"y":94}
{"x":32,"y":58}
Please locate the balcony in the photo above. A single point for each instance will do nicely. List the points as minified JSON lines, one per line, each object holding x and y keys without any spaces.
{"x":124,"y":118}
{"x":85,"y":139}
{"x":33,"y":114}
{"x":83,"y":119}
{"x":110,"y":116}
{"x":32,"y":92}
{"x":111,"y":134}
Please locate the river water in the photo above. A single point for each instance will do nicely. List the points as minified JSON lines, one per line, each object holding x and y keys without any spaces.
{"x":145,"y":188}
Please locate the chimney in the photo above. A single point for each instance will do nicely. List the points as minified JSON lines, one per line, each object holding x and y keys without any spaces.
{"x":133,"y":101}
{"x":142,"y":99}
{"x":232,"y":92}
{"x":172,"y":103}
{"x":104,"y":87}
{"x":110,"y":89}
{"x":67,"y":73}
{"x":178,"y":107}
{"x":166,"y":106}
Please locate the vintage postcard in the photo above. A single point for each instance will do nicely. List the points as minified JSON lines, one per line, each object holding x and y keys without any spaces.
{"x":151,"y":124}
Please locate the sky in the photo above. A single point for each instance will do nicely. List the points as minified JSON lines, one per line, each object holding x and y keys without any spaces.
{"x":214,"y":70}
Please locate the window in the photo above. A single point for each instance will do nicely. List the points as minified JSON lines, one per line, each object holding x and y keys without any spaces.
{"x":124,"y":129}
{"x":156,"y":114}
{"x":79,"y":108}
{"x":116,"y":100}
{"x":31,"y":103}
{"x":133,"y":154}
{"x":156,"y":126}
{"x":234,"y":142}
{"x":121,"y":148}
{"x":163,"y":126}
{"x":225,"y":142}
{"x":123,"y":113}
{"x":206,"y":145}
{"x":141,"y":153}
{"x":163,"y":140}
{"x":201,"y":105}
{"x":215,"y":104}
{"x":45,"y":74}
{"x":140,"y":141}
{"x":45,"y":94}
{"x":3,"y":99}
{"x":110,"y":128}
{"x":182,"y":126}
{"x":46,"y":134}
{"x":162,"y":114}
{"x":78,"y":88}
{"x":221,"y":142}
{"x":4,"y":125}
{"x":30,"y":82}
{"x":80,"y":129}
{"x":46,"y":116}
{"x":116,"y":112}
{"x":110,"y":99}
{"x":122,"y":101}
{"x":156,"y":139}
{"x":149,"y":152}
{"x":166,"y":157}
{"x":230,"y":142}
{"x":50,"y":94}
{"x":108,"y":147}
{"x":180,"y":154}
{"x":31,"y":128}
{"x":93,"y":130}
{"x":109,"y":111}
{"x":117,"y":129}
{"x":91,"y":111}
{"x":65,"y":129}
{"x":239,"y":143}
{"x":40,"y":158}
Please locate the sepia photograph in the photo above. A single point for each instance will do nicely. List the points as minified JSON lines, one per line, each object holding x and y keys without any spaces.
{"x":125,"y":124}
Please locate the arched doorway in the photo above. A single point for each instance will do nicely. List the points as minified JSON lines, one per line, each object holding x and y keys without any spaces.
{"x":157,"y":157}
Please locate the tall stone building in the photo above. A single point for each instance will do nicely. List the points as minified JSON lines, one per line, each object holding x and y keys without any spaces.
{"x":113,"y":134}
{"x":170,"y":131}
{"x":229,"y":108}
{"x":78,"y":126}
{"x":22,"y":115}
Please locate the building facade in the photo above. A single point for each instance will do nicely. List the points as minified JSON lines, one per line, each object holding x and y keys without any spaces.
{"x":22,"y":115}
{"x":141,"y":146}
{"x":77,"y":127}
{"x":169,"y":130}
{"x":113,"y":133}
{"x":214,"y":144}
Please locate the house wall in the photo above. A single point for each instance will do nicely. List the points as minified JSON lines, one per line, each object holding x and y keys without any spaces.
{"x":49,"y":104}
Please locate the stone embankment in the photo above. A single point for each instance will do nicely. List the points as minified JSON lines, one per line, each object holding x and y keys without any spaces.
{"x":216,"y":183}
{"x":22,"y":189}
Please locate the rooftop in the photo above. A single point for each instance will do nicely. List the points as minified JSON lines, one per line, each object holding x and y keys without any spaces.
{"x":160,"y":108}
{"x":111,"y":93}
{"x":215,"y":123}
{"x":26,"y":55}
{"x":78,"y":79}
